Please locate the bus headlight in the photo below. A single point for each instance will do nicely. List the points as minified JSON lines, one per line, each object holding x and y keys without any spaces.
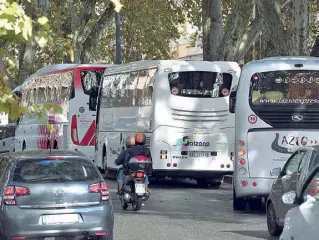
{"x":242,"y":171}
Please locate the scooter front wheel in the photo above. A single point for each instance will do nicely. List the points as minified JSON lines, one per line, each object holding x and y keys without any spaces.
{"x":124,"y":205}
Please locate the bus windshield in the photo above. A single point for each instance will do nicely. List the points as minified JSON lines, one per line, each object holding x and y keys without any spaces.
{"x":277,"y":88}
{"x":91,"y":80}
{"x":200,"y":84}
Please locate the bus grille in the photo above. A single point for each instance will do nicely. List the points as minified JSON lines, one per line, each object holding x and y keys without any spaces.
{"x":200,"y":116}
{"x":283,"y":118}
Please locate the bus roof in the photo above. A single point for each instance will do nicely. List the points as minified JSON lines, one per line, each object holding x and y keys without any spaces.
{"x":274,"y":61}
{"x":145,"y":64}
{"x":284,"y":58}
{"x":63,"y":67}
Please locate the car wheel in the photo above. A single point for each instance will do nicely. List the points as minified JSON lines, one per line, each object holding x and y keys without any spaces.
{"x":238,"y":203}
{"x":273,"y":228}
{"x":255,"y":204}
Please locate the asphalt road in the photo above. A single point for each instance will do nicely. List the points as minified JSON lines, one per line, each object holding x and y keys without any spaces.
{"x":182,"y":211}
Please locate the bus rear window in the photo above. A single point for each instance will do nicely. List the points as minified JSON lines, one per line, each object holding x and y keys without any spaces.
{"x":277,"y":88}
{"x":91,"y":80}
{"x":200,"y":84}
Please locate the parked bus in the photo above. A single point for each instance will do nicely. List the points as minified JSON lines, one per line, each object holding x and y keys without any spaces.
{"x":276,"y":111}
{"x":70,"y":86}
{"x":181,"y":106}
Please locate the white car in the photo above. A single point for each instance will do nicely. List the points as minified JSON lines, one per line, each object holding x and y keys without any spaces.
{"x":301,"y":222}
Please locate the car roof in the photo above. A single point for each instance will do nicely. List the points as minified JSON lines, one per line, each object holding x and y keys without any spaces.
{"x":32,"y":154}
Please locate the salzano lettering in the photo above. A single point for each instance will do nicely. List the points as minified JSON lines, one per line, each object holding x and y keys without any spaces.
{"x":188,"y":142}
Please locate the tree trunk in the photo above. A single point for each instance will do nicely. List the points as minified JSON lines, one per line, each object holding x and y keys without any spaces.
{"x":274,"y":35}
{"x":96,"y":34}
{"x":26,"y":58}
{"x":315,"y":49}
{"x":238,"y":38}
{"x":212,"y":28}
{"x":300,"y":33}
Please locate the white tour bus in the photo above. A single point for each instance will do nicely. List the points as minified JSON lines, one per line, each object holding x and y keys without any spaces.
{"x":72,"y":87}
{"x":276,"y":111}
{"x":181,"y":106}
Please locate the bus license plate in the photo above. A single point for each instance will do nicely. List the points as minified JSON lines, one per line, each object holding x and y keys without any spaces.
{"x":199,"y":154}
{"x":139,"y":188}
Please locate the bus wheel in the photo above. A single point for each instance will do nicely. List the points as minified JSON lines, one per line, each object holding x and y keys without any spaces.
{"x":238,"y":203}
{"x":255,"y":204}
{"x":202,"y":182}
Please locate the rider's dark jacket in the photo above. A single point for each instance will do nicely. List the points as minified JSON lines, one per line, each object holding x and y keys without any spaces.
{"x":126,"y":155}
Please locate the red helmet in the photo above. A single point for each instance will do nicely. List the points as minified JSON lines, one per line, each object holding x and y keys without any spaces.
{"x":140,"y":138}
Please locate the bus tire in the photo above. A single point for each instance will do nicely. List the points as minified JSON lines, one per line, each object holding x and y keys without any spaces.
{"x":238,"y":203}
{"x":255,"y":204}
{"x":202,"y":182}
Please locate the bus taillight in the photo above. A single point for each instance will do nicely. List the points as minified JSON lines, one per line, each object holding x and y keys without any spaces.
{"x":241,"y":153}
{"x":242,"y":171}
{"x":243,"y":183}
{"x":232,"y":156}
{"x":241,"y":143}
{"x":241,"y":162}
{"x":163,"y":154}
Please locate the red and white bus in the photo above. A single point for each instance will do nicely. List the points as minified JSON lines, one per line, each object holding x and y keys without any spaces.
{"x":74,"y":87}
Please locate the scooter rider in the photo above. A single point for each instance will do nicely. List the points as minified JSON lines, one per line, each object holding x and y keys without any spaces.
{"x":129,"y":142}
{"x":135,"y":146}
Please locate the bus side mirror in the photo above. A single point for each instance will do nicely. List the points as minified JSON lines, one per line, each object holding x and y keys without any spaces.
{"x":232,"y":101}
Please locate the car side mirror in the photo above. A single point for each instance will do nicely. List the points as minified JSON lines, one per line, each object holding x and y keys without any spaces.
{"x":232,"y":101}
{"x":289,"y":198}
{"x":275,"y":172}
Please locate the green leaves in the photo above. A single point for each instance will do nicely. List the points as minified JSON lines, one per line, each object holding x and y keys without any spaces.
{"x":43,"y":20}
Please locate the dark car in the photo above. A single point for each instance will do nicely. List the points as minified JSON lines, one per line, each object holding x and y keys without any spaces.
{"x":52,"y":194}
{"x":290,"y":178}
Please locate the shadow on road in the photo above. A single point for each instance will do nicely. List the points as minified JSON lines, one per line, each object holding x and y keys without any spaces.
{"x":256,"y":234}
{"x":173,"y":184}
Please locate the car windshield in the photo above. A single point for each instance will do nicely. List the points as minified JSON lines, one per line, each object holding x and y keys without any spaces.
{"x":54,"y":170}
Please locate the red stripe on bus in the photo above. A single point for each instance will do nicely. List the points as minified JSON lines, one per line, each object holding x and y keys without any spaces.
{"x":74,"y":127}
{"x":88,"y":135}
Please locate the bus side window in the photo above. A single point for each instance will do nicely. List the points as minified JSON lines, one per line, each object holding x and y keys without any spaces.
{"x":232,"y":100}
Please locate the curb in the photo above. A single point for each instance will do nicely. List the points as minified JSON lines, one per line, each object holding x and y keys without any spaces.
{"x":228,"y":179}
